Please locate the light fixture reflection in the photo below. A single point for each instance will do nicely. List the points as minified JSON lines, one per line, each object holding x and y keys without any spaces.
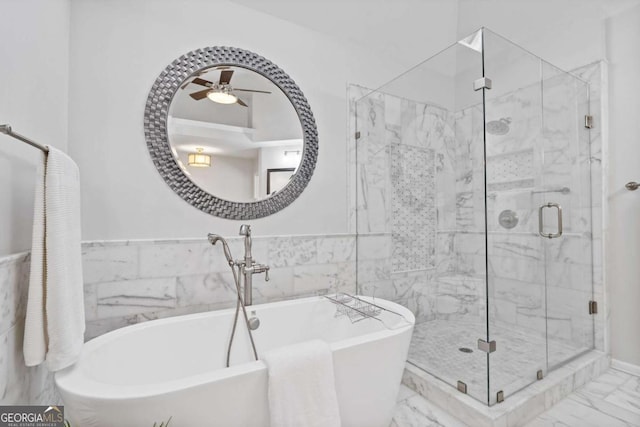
{"x":222,"y":97}
{"x":199,"y":159}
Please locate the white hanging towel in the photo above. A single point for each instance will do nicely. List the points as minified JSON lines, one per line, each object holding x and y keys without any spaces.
{"x":54,"y":326}
{"x":301,"y":386}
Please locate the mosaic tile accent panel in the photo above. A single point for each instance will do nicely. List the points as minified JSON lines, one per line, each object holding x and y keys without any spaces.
{"x":413,"y":207}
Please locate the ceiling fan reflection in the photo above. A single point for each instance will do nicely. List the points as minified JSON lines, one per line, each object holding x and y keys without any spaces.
{"x":221,"y":92}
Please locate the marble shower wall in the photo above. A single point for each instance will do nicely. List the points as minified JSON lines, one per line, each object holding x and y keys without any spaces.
{"x":128,"y":282}
{"x":406,"y":222}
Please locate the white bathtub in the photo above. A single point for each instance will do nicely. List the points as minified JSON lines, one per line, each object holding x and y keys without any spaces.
{"x":174,"y":367}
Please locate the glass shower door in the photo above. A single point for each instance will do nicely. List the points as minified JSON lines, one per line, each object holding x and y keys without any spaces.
{"x":567,"y":184}
{"x":515,"y":251}
{"x":538,"y":216}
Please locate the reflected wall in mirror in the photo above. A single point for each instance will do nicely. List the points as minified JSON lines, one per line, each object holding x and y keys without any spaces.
{"x":217,"y":120}
{"x":240,"y":125}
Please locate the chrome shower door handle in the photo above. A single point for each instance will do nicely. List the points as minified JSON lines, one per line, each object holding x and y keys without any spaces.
{"x":541,"y":220}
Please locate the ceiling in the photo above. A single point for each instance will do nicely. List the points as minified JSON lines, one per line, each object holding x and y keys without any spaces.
{"x":409,"y":31}
{"x":399,"y":29}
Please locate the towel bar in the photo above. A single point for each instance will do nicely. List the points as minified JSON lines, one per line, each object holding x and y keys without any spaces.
{"x":6,"y":129}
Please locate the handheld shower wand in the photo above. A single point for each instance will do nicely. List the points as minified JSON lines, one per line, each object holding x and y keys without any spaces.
{"x":215,"y":238}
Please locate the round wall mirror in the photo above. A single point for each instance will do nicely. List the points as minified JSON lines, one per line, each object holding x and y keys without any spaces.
{"x":231,"y":133}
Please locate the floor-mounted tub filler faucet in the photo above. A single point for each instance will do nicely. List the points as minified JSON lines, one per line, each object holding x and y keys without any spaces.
{"x":248,"y":267}
{"x":252,"y":323}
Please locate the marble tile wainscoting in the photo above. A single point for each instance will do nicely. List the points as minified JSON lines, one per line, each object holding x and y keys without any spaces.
{"x":133,"y":281}
{"x":128,"y":282}
{"x":18,"y":383}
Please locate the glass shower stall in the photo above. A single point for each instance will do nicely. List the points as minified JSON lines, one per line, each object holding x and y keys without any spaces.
{"x":474,"y":210}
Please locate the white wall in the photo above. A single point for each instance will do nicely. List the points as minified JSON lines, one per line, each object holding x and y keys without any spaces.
{"x":274,"y":117}
{"x":623,"y":243}
{"x":34,"y":38}
{"x":119,"y":47}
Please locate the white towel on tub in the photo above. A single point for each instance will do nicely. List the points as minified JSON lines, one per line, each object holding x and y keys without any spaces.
{"x":302,"y":389}
{"x":54,"y":326}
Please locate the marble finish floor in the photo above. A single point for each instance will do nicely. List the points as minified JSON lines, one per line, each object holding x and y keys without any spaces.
{"x":435,"y":347}
{"x":611,"y":400}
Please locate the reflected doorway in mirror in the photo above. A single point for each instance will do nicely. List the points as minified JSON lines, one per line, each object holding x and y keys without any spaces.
{"x":278,"y":178}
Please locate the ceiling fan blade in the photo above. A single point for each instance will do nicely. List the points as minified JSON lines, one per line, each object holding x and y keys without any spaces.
{"x":201,"y":72}
{"x":225,"y":77}
{"x":251,"y":90}
{"x":241,"y":102}
{"x":199,"y":95}
{"x":202,"y":82}
{"x":198,"y":81}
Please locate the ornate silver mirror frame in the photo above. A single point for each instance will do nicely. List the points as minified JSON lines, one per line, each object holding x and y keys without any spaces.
{"x":155,"y":129}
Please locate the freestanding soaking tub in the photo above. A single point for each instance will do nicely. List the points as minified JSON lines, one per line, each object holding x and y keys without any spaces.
{"x":175,"y":367}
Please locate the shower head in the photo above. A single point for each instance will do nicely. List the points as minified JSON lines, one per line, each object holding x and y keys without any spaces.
{"x":498,"y":127}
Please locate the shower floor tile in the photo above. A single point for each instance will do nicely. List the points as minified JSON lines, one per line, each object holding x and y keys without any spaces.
{"x":436,"y":348}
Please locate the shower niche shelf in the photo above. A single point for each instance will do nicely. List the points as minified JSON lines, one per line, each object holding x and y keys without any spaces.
{"x":511,"y":170}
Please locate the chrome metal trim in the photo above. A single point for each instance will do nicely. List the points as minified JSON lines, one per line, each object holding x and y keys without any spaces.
{"x":588,"y":121}
{"x":508,"y":219}
{"x":6,"y":129}
{"x":155,"y":129}
{"x":632,"y":186}
{"x":541,"y":221}
{"x":482,"y":83}
{"x":487,"y":347}
{"x":563,"y":190}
